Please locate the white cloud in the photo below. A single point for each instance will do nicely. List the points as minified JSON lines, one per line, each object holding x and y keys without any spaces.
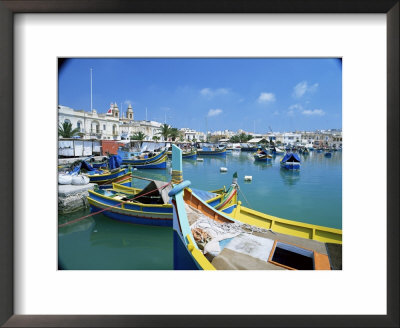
{"x":266,"y":97}
{"x":303,"y":87}
{"x":296,"y":106}
{"x":318,"y":112}
{"x":207,"y":92}
{"x":290,"y":113}
{"x":214,"y":112}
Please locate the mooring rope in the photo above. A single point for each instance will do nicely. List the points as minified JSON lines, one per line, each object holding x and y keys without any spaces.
{"x":107,"y":208}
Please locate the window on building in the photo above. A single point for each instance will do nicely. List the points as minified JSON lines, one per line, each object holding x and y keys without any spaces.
{"x":67,"y":121}
{"x":79,"y":126}
{"x":104,"y":127}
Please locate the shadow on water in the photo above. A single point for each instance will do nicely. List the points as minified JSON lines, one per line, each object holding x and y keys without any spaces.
{"x":290,"y":177}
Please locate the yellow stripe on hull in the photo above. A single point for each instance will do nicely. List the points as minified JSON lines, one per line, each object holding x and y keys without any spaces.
{"x":288,"y":227}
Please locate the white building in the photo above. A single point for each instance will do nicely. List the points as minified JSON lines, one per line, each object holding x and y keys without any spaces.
{"x":191,"y":134}
{"x":108,"y":126}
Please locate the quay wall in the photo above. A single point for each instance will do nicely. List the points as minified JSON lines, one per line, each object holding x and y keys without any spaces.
{"x":73,"y":197}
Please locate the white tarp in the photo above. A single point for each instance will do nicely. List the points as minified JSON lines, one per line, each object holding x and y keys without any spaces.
{"x":78,"y":145}
{"x":87,"y":148}
{"x":66,"y":148}
{"x":96,"y":146}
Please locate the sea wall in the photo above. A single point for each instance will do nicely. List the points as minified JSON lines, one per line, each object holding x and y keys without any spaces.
{"x":73,"y":197}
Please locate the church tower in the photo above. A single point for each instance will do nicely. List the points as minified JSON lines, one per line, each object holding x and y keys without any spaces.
{"x":115,"y":111}
{"x":129,"y":113}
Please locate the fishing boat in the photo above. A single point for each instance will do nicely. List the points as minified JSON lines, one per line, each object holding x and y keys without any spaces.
{"x":190,"y":154}
{"x":277,"y":151}
{"x":211,"y":150}
{"x":102,"y":176}
{"x":151,"y":205}
{"x":262,"y":156}
{"x":328,"y":154}
{"x":208,"y":239}
{"x":249,"y":147}
{"x":160,"y":163}
{"x":291,"y":161}
{"x":144,"y":158}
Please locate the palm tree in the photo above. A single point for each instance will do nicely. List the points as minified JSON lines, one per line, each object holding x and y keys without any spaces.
{"x":164,"y":131}
{"x":138,"y":136}
{"x":174,"y":133}
{"x":65,"y":130}
{"x":156,"y":138}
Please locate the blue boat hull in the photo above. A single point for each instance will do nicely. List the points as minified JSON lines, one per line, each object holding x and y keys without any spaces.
{"x":162,"y":165}
{"x":211,"y":153}
{"x":105,"y":178}
{"x":135,"y":219}
{"x":143,"y":161}
{"x":287,"y":166}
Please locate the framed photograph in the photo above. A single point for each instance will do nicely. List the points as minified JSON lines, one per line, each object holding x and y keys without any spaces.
{"x":236,"y":38}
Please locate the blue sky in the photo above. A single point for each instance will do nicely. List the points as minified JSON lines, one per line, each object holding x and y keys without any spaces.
{"x":232,"y":93}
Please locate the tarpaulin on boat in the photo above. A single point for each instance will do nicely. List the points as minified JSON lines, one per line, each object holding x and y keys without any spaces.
{"x":204,"y":195}
{"x":291,"y":157}
{"x":86,"y":166}
{"x":114,"y":162}
{"x":154,"y":193}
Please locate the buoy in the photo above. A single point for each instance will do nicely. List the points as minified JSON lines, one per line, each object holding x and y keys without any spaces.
{"x":223,"y":169}
{"x":248,"y":178}
{"x":200,"y":159}
{"x":135,"y":169}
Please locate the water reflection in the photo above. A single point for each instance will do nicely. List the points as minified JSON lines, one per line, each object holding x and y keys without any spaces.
{"x":290,"y":177}
{"x":115,"y":234}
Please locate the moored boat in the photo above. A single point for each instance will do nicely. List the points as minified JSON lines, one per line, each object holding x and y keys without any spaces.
{"x":213,"y":151}
{"x":208,"y":239}
{"x":291,"y":161}
{"x":151,"y":205}
{"x":328,"y":154}
{"x":145,"y":158}
{"x":262,"y":156}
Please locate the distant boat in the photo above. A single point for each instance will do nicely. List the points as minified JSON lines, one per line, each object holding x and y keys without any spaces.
{"x":211,"y":150}
{"x":189,"y":154}
{"x":328,"y":154}
{"x":144,"y":158}
{"x":262,"y":156}
{"x":277,"y":151}
{"x":291,"y":161}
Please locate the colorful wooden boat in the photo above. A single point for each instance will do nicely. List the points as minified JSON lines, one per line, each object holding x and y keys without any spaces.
{"x":192,"y":154}
{"x":107,"y":177}
{"x":151,"y":205}
{"x":144,"y":158}
{"x":291,"y":161}
{"x":262,"y":156}
{"x":208,"y":239}
{"x":207,"y":151}
{"x":277,"y":151}
{"x":160,"y":163}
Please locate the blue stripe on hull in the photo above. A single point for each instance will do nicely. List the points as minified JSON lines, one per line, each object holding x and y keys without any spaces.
{"x":190,"y":157}
{"x":290,"y":167}
{"x":211,"y":154}
{"x":134,"y":219}
{"x":107,"y":177}
{"x":162,"y":165}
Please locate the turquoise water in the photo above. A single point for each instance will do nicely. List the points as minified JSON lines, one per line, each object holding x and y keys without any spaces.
{"x":312,"y":195}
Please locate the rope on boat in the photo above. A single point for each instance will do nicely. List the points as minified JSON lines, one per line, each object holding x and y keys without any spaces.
{"x":110,"y":207}
{"x":243,"y":195}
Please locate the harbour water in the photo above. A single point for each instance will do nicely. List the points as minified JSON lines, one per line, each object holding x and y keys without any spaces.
{"x":312,"y":195}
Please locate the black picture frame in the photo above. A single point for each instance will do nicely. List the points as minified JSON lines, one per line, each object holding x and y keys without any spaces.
{"x":7,"y":10}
